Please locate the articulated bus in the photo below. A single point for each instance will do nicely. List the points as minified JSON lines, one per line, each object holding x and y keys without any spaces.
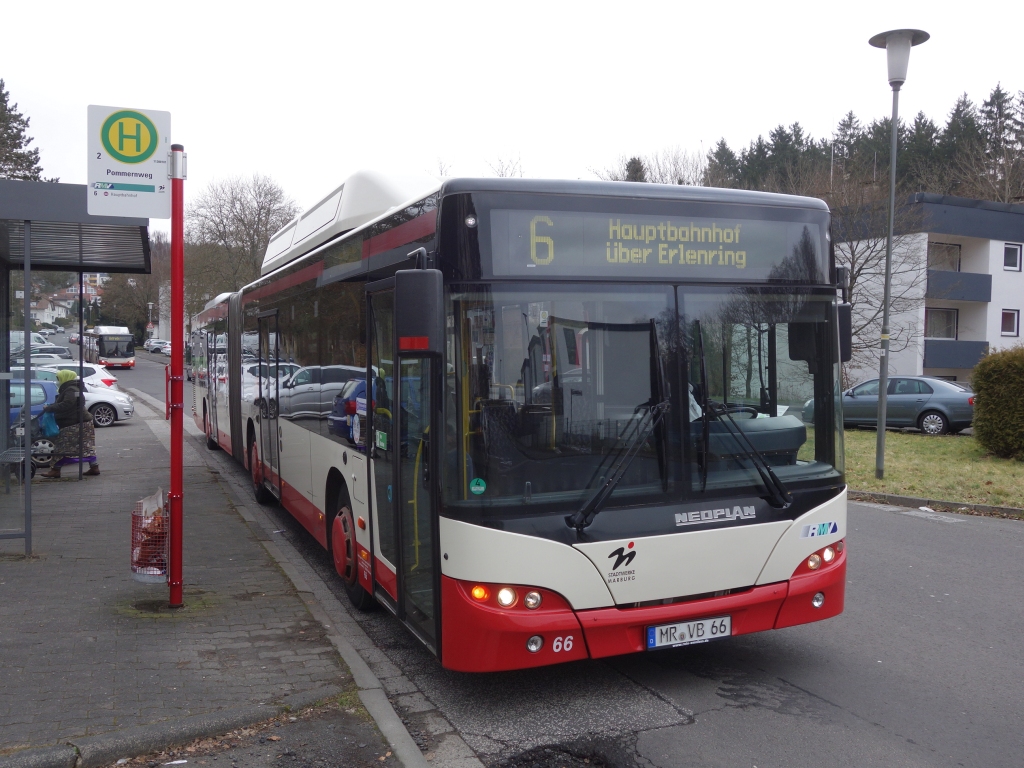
{"x":542,"y":421}
{"x":110,"y":346}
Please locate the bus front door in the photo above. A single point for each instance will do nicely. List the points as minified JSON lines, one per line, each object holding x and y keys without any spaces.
{"x":399,"y":443}
{"x":269,"y":439}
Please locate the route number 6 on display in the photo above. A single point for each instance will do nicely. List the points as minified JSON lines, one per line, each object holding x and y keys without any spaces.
{"x":561,"y":644}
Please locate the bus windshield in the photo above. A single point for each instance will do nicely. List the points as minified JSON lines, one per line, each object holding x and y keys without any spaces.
{"x":116,"y":346}
{"x":549,"y":385}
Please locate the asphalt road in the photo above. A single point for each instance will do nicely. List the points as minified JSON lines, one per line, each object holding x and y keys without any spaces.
{"x":924,"y":668}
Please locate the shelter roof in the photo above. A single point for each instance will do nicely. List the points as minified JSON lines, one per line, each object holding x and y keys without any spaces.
{"x":64,"y":236}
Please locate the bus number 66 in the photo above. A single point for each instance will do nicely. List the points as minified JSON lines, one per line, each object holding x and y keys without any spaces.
{"x":561,"y":644}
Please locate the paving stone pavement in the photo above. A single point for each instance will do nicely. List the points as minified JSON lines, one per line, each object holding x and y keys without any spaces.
{"x":85,"y":649}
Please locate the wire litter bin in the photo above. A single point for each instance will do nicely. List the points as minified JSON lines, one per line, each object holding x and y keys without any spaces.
{"x":149,"y":539}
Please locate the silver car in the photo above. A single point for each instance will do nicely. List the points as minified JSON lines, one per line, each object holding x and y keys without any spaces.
{"x":935,"y":406}
{"x":93,"y":374}
{"x":108,"y":405}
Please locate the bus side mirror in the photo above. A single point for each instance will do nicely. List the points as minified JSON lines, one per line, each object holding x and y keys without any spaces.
{"x":419,"y":311}
{"x":845,"y":332}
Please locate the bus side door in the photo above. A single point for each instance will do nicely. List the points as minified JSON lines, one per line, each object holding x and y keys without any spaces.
{"x":268,"y":398}
{"x":212,"y":385}
{"x":401,"y":403}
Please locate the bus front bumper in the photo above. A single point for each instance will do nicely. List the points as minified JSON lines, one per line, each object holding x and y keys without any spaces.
{"x":485,"y":638}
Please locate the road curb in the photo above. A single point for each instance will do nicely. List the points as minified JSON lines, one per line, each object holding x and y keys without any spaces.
{"x":949,"y":506}
{"x":97,"y":751}
{"x":43,"y":757}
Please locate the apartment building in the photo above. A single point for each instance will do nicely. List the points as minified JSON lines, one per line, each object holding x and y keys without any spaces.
{"x":973,"y":293}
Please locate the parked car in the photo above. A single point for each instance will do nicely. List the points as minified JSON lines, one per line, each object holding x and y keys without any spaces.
{"x":935,"y":406}
{"x":164,"y":348}
{"x":52,"y":349}
{"x":94,"y":375}
{"x":347,"y":418}
{"x":72,"y":338}
{"x":43,"y":393}
{"x":152,"y":344}
{"x":41,"y":358}
{"x":17,"y":339}
{"x":309,"y":392}
{"x":108,"y":405}
{"x":349,"y":407}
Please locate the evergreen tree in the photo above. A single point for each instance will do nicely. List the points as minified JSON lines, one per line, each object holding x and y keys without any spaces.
{"x":1002,"y":128}
{"x":847,"y":136}
{"x":1000,"y":122}
{"x":920,"y":153}
{"x":755,"y":164}
{"x":783,"y":147}
{"x":17,"y":161}
{"x":723,"y":167}
{"x":962,"y":132}
{"x":636,"y":170}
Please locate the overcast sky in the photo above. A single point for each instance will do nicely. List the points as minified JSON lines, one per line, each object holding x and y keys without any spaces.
{"x":308,"y":92}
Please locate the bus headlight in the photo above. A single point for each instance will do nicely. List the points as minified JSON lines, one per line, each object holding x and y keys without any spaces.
{"x":532,"y":600}
{"x":535,"y":643}
{"x":828,"y":555}
{"x":506,"y":597}
{"x":814,"y":561}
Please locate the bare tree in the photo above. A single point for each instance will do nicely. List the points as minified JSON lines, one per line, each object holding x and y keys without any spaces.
{"x":444,"y":168}
{"x":229,"y":226}
{"x":669,"y":166}
{"x":675,"y":166}
{"x":505,"y":169}
{"x":860,"y":228}
{"x":126,"y":297}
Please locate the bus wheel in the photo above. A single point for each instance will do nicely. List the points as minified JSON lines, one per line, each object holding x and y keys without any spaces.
{"x":343,"y":549}
{"x":259,"y":490}
{"x":210,"y":442}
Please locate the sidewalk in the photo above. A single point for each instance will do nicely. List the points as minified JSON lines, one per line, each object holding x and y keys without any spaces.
{"x":86,"y":650}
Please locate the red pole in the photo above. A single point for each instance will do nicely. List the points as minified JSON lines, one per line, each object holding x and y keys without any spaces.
{"x":177,"y":366}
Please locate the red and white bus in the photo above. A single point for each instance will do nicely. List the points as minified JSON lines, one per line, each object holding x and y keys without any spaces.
{"x":542,"y":421}
{"x":111,"y":346}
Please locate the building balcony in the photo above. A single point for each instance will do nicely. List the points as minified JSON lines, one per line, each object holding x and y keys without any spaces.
{"x":958,"y":286}
{"x":953,"y":353}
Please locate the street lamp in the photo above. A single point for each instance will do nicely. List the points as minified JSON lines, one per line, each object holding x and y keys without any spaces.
{"x":897,"y":44}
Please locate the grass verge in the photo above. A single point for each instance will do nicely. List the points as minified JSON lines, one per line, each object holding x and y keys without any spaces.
{"x":949,"y":468}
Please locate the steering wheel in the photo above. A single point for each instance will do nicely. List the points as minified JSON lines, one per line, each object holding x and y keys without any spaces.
{"x":720,"y":409}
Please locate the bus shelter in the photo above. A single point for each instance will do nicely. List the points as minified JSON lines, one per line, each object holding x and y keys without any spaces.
{"x":46,"y":227}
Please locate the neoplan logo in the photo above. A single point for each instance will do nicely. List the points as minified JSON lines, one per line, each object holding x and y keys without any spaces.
{"x":129,"y":136}
{"x":622,"y":557}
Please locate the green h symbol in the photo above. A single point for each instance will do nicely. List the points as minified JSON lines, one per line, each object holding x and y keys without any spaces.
{"x":122,"y":136}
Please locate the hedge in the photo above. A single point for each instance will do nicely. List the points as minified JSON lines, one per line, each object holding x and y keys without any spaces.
{"x":999,"y":402}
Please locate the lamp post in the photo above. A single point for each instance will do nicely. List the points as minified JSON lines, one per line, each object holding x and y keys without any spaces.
{"x":897,"y":44}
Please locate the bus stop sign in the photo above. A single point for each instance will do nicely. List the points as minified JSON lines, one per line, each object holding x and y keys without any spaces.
{"x":127,"y":168}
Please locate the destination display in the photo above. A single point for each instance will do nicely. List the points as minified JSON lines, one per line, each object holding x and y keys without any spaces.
{"x":571,"y":244}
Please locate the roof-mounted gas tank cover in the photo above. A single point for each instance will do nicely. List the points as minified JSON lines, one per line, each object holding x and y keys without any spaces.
{"x":362,"y":198}
{"x":220,"y":298}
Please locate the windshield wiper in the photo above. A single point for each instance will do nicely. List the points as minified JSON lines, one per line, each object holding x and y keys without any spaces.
{"x":780,"y":496}
{"x":586,"y":514}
